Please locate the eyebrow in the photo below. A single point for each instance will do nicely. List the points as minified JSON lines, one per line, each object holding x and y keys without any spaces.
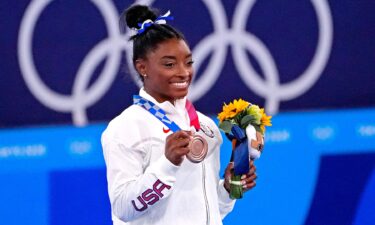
{"x":173,"y":57}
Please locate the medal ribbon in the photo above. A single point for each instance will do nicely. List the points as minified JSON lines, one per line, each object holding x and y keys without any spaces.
{"x":162,"y":116}
{"x":194,"y":121}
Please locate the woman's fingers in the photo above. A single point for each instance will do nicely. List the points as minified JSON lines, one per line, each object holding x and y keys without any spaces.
{"x":177,"y":146}
{"x":182,"y":134}
{"x":248,"y":180}
{"x":249,"y":186}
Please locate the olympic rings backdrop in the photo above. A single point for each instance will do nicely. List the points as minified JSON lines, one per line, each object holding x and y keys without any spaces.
{"x":66,"y":70}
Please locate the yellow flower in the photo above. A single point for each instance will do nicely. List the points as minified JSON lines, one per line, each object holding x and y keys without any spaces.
{"x":240,"y":105}
{"x":231,"y":110}
{"x":265,"y":120}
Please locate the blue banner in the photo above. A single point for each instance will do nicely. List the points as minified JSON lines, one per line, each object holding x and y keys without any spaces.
{"x":317,"y":168}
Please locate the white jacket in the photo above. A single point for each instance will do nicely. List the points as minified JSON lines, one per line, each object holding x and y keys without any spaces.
{"x":145,"y":187}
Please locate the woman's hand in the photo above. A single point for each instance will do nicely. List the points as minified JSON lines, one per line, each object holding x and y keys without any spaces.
{"x":176,"y":146}
{"x":247,"y":180}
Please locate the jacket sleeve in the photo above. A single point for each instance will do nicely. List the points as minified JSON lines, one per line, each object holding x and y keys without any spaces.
{"x":132,"y":191}
{"x":226,"y":204}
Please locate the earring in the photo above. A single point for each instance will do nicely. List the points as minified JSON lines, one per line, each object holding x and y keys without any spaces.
{"x":144,"y":75}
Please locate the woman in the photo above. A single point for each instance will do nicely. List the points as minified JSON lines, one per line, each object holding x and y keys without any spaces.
{"x":150,"y":179}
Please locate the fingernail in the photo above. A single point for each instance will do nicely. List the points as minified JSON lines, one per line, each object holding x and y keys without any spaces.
{"x":243,"y":186}
{"x":243,"y":177}
{"x":243,"y":182}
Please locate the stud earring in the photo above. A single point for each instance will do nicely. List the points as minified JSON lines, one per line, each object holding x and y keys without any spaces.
{"x":144,"y":75}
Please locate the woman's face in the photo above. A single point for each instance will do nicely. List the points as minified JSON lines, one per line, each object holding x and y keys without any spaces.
{"x":168,"y":70}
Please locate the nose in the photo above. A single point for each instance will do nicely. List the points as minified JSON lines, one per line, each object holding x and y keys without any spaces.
{"x":185,"y":70}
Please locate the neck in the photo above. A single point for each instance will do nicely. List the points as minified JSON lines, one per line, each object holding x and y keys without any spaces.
{"x":159,"y":98}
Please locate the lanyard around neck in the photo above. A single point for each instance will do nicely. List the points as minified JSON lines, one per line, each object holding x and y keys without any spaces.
{"x":162,"y":116}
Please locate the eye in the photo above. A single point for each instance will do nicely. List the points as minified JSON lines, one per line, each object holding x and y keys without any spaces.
{"x":190,"y":63}
{"x":169,"y":64}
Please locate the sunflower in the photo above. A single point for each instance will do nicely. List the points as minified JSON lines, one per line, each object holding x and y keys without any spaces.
{"x":232,"y":109}
{"x":229,"y":111}
{"x":240,"y":105}
{"x":264,"y":120}
{"x":243,"y":113}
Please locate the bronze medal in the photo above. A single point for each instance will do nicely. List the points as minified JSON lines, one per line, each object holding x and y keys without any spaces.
{"x":198,"y":149}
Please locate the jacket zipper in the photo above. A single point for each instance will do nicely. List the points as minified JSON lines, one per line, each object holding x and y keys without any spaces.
{"x":205,"y":194}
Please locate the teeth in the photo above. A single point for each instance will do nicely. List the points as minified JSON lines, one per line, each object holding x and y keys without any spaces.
{"x":180,"y":84}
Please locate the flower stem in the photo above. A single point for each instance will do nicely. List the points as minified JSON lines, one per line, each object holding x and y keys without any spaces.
{"x":236,"y":191}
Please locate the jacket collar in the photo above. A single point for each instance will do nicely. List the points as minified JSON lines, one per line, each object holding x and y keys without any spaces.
{"x":169,"y":108}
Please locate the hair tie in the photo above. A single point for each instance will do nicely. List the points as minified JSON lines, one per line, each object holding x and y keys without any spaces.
{"x":160,"y":20}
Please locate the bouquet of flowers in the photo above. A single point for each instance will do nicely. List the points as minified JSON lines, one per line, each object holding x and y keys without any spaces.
{"x":244,"y":124}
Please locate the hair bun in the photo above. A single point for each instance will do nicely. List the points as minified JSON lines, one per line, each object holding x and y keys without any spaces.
{"x":136,"y":14}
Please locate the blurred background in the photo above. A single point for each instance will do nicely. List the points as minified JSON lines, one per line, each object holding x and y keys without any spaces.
{"x":66,"y":71}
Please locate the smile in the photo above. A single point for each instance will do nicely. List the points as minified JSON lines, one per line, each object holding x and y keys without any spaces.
{"x":183,"y":84}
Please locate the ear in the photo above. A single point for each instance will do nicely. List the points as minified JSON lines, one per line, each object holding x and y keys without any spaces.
{"x":140,"y":66}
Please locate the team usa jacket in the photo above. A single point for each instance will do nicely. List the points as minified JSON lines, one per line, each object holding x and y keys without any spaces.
{"x":145,"y":187}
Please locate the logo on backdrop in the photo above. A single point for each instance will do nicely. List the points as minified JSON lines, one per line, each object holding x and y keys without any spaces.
{"x":216,"y":43}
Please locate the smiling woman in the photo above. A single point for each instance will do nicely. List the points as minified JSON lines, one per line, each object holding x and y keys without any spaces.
{"x":167,"y":70}
{"x":162,"y":163}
